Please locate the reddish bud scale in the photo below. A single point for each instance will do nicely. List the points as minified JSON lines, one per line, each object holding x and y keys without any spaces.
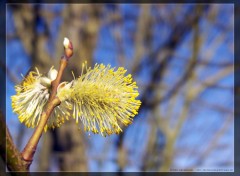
{"x":70,"y":46}
{"x":69,"y":50}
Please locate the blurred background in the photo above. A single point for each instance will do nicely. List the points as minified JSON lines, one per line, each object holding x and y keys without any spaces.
{"x":181,"y":56}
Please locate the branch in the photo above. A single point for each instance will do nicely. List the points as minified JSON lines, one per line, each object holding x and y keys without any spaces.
{"x":141,"y":35}
{"x":29,"y":150}
{"x":12,"y":156}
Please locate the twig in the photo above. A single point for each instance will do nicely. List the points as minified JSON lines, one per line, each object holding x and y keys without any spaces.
{"x":29,"y":150}
{"x":12,"y":156}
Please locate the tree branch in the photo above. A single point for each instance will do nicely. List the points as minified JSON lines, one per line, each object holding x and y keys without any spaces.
{"x":9,"y":152}
{"x":29,"y":150}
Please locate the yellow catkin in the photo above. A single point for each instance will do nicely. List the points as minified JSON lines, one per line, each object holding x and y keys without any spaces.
{"x":30,"y":99}
{"x":103,"y":98}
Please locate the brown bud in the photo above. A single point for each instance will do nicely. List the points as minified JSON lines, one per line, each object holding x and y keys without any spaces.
{"x":68,"y":47}
{"x":68,"y":52}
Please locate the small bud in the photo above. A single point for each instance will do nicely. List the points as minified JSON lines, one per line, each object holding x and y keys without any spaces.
{"x":52,"y":74}
{"x":66,"y":42}
{"x":45,"y":81}
{"x":68,"y":47}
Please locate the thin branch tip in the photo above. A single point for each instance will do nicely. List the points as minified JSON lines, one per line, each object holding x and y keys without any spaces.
{"x":30,"y":148}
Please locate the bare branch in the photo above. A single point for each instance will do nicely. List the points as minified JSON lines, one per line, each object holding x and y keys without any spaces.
{"x":12,"y":158}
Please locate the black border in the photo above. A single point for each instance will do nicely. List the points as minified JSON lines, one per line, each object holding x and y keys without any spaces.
{"x":236,"y":88}
{"x":236,"y":82}
{"x":3,"y":72}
